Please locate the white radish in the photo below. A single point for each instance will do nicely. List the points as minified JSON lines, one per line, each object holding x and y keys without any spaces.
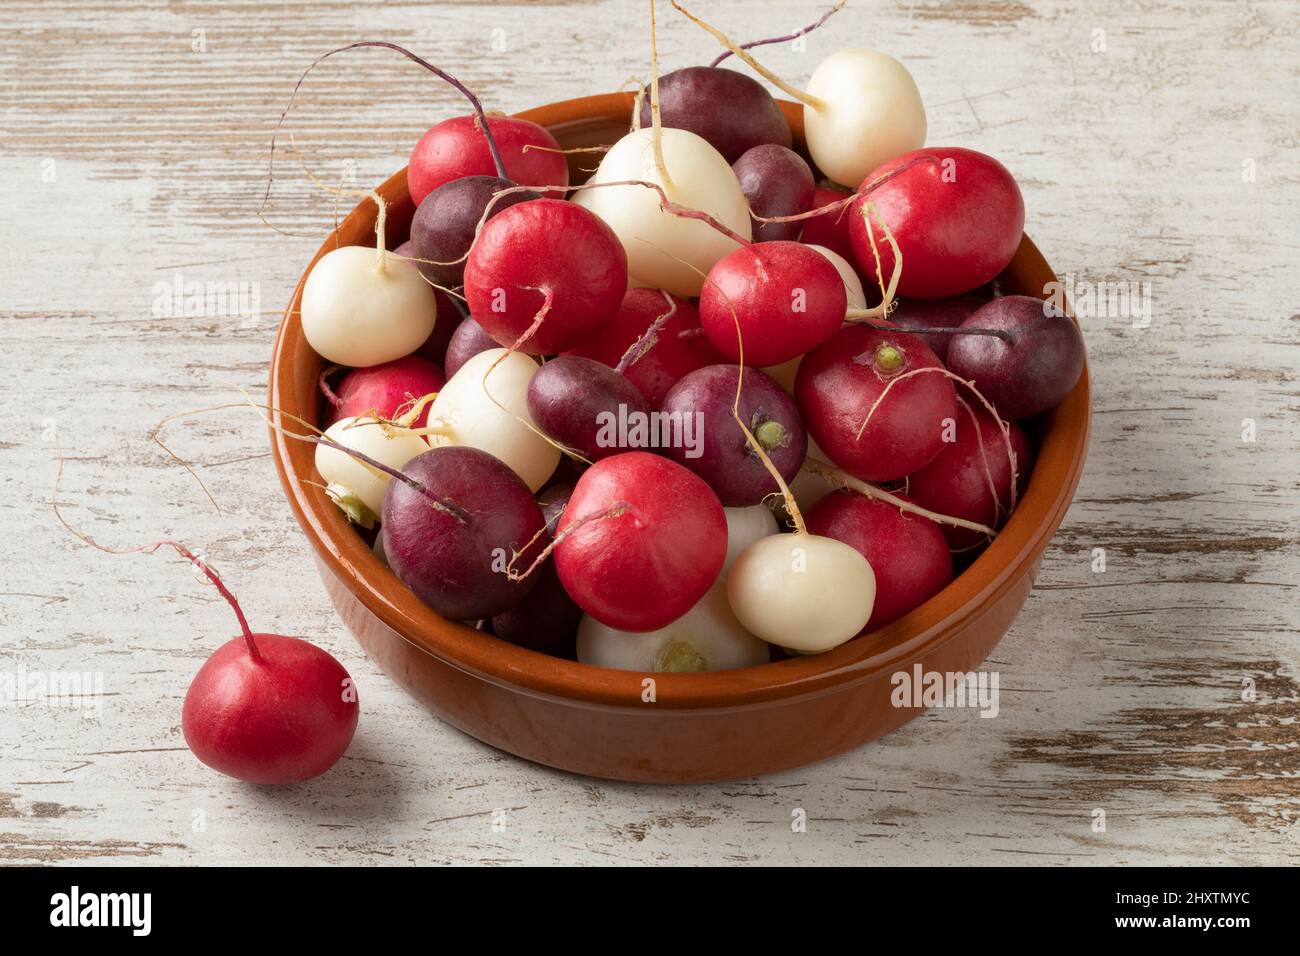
{"x":857,"y":299}
{"x":696,"y":177}
{"x":801,"y":591}
{"x":356,"y":487}
{"x":861,"y":109}
{"x":744,"y":527}
{"x":489,"y":411}
{"x":363,"y":307}
{"x":706,"y":638}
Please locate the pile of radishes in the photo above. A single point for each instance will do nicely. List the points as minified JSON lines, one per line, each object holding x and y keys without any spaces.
{"x":722,"y":399}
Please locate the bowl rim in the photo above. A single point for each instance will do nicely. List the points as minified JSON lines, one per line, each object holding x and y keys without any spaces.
{"x":341,"y":551}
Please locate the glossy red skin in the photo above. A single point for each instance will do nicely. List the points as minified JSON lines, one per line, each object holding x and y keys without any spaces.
{"x":947,"y":313}
{"x":954,"y":235}
{"x":467,"y":341}
{"x":731,"y":111}
{"x":650,"y":565}
{"x":445,"y":224}
{"x":956,"y":483}
{"x":754,"y":287}
{"x":454,"y":564}
{"x":386,"y":388}
{"x":1033,"y":374}
{"x":545,"y":244}
{"x":680,"y":348}
{"x":908,"y":554}
{"x":839,"y":382}
{"x":456,"y":148}
{"x":830,"y":229}
{"x":776,"y":182}
{"x":568,"y":396}
{"x":727,"y":461}
{"x":286,"y":718}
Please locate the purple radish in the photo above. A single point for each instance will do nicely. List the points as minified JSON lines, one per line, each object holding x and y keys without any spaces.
{"x":777,"y":182}
{"x":729,"y":110}
{"x":936,"y":314}
{"x":580,"y":402}
{"x":468,"y":340}
{"x":444,"y":226}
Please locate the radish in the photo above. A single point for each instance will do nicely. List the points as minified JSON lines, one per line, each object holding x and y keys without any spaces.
{"x":434,"y":348}
{"x":776,"y":182}
{"x":536,"y":294}
{"x":728,"y":461}
{"x":1032,"y":372}
{"x":453,"y":524}
{"x":679,"y":345}
{"x":769,"y":302}
{"x":357,"y":487}
{"x":578,"y":402}
{"x":706,"y":638}
{"x":971,"y":477}
{"x":948,"y":313}
{"x":829,"y":230}
{"x":908,"y":553}
{"x":744,"y":527}
{"x":871,"y":428}
{"x":640,"y":542}
{"x":861,"y":108}
{"x":547,"y":619}
{"x":446,"y":222}
{"x":457,"y":148}
{"x":468,"y":340}
{"x":363,"y":306}
{"x":957,"y":217}
{"x":730,"y":111}
{"x":384,"y":390}
{"x":485,"y":405}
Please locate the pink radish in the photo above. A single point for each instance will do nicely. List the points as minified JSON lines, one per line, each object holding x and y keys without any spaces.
{"x":640,"y":542}
{"x":872,"y":429}
{"x":456,"y":148}
{"x":532,"y":292}
{"x":957,"y":218}
{"x":769,"y":302}
{"x":908,"y":553}
{"x":385,"y":389}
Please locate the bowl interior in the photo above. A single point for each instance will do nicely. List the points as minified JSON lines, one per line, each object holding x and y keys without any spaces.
{"x":1062,"y":441}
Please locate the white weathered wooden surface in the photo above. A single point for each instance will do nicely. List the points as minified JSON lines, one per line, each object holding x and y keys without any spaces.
{"x":1169,"y":157}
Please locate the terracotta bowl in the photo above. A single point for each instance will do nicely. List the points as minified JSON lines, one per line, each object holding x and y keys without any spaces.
{"x":698,"y":727}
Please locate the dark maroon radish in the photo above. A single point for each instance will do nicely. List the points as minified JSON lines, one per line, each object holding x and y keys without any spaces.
{"x":545,"y":621}
{"x":543,"y":275}
{"x":385,"y":390}
{"x":971,"y":477}
{"x":444,"y":225}
{"x":680,"y":345}
{"x":936,"y":314}
{"x":777,"y":182}
{"x":868,"y":404}
{"x":641,"y":541}
{"x":908,"y":554}
{"x":1035,"y":370}
{"x":553,"y":499}
{"x":452,"y":527}
{"x":719,"y":451}
{"x":581,"y":403}
{"x":770,"y":302}
{"x":731,"y":111}
{"x":468,"y":340}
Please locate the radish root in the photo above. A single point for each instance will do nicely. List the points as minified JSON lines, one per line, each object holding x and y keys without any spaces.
{"x":648,"y":339}
{"x":839,"y":5}
{"x":617,"y":510}
{"x":656,"y":117}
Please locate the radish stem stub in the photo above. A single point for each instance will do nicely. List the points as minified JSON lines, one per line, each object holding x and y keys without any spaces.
{"x":357,"y":488}
{"x":361,"y":307}
{"x":802,"y":591}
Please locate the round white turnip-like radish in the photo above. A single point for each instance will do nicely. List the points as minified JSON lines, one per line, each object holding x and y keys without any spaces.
{"x":869,"y":111}
{"x":706,"y":638}
{"x":801,"y":591}
{"x":356,"y":487}
{"x":744,"y":527}
{"x":489,"y":410}
{"x":362,"y":306}
{"x":655,"y":239}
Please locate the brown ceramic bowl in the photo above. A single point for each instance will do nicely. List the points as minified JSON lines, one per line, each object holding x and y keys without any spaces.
{"x":699,"y":727}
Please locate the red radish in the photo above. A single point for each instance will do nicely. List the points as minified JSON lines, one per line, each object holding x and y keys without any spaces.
{"x":840,"y":386}
{"x":946,"y":313}
{"x":467,"y":341}
{"x":732,"y":112}
{"x":456,"y":148}
{"x":446,"y":222}
{"x":908,"y":553}
{"x":957,"y":219}
{"x":776,"y":182}
{"x":451,"y":527}
{"x":1035,"y":370}
{"x":680,"y":345}
{"x":641,"y":541}
{"x":530,"y":290}
{"x":785,"y":298}
{"x":725,"y":458}
{"x":830,"y":229}
{"x":384,"y":390}
{"x":971,"y":477}
{"x":579,"y":402}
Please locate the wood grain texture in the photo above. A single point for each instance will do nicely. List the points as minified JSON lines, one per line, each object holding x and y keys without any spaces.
{"x":1162,"y":691}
